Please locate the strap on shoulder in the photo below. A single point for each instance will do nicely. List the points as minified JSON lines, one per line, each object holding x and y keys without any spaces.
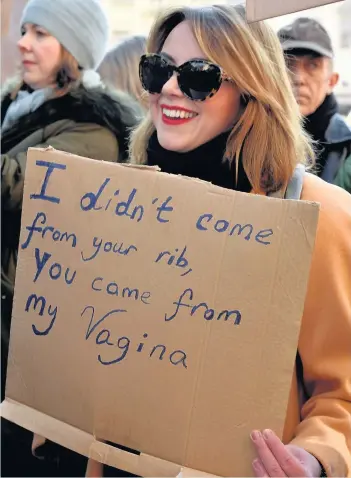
{"x":294,"y":189}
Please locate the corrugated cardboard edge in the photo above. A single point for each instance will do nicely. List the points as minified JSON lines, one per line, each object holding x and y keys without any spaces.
{"x":138,"y":167}
{"x":125,"y":165}
{"x":265,"y":12}
{"x":213,"y":189}
{"x":251,"y":11}
{"x":85,"y":444}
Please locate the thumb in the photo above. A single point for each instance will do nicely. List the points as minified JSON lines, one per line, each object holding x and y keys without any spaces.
{"x":308,"y":461}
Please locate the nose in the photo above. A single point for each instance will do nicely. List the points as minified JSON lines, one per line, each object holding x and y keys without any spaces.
{"x":299,"y":76}
{"x":24,"y":43}
{"x":171,"y":87}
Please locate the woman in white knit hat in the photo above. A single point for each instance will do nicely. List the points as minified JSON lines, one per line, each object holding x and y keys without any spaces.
{"x":58,"y":101}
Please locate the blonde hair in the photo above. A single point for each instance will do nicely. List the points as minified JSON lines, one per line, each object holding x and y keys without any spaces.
{"x":269,"y":135}
{"x":68,"y":75}
{"x":120,"y":68}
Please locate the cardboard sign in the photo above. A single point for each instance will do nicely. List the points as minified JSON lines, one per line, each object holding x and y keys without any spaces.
{"x":257,"y":10}
{"x":156,"y":312}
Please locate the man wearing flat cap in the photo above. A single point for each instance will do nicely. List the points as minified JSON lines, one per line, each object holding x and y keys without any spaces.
{"x":309,"y":56}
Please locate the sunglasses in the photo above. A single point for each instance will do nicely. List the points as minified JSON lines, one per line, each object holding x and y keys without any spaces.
{"x":197,"y":79}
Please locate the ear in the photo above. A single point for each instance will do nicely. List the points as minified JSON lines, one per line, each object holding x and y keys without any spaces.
{"x":333,"y":80}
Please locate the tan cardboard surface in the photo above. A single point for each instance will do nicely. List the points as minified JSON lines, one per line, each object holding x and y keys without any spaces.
{"x":257,"y":10}
{"x":176,"y":334}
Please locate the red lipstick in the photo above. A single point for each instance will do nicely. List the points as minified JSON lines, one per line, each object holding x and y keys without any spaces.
{"x":176,"y":120}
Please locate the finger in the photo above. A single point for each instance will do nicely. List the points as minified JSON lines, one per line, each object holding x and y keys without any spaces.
{"x":259,"y":469}
{"x":267,"y":458}
{"x":94,"y":469}
{"x":288,"y":462}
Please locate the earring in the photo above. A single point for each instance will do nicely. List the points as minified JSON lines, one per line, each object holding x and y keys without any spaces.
{"x":62,"y":78}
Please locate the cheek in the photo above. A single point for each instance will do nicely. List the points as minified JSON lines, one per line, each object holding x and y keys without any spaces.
{"x":50,"y":56}
{"x":317,"y":83}
{"x":318,"y":90}
{"x":224,"y":107}
{"x":55,"y":56}
{"x":153,"y":102}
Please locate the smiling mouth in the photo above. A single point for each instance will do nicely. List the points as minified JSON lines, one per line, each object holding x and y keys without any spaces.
{"x":178,"y":114}
{"x":174,"y":116}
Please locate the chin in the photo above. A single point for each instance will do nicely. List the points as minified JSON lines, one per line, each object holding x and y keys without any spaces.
{"x":305,"y":110}
{"x":172,"y":142}
{"x":30,"y":81}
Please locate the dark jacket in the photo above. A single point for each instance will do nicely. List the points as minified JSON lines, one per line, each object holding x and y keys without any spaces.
{"x":89,"y":122}
{"x":337,"y":169}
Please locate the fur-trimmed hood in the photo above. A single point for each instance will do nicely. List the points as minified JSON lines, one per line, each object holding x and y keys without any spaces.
{"x":110,"y":109}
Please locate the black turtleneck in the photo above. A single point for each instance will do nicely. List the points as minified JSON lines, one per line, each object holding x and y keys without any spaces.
{"x":205,"y":162}
{"x":316,"y":125}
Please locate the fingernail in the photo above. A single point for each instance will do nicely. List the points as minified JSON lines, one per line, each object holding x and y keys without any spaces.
{"x":256,"y":464}
{"x":267,"y":434}
{"x":255,"y":435}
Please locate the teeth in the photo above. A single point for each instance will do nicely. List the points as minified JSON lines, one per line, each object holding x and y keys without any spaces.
{"x":177,"y":113}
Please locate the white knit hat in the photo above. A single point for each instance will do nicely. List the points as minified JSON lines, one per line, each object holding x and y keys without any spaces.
{"x":81,"y":27}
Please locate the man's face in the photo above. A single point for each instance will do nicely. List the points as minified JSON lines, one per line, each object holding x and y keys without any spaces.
{"x":313,"y":79}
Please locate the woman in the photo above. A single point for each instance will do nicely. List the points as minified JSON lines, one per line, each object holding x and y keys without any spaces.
{"x":228,"y":116}
{"x":120,"y":68}
{"x":58,"y":102}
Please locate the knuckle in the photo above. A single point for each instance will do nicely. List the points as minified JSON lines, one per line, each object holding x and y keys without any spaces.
{"x":275,"y":470}
{"x":289,"y":461}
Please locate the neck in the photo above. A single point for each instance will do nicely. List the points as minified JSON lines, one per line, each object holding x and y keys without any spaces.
{"x":33,"y":88}
{"x":205,"y":162}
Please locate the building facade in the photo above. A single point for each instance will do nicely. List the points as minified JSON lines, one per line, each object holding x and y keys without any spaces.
{"x":130,"y":17}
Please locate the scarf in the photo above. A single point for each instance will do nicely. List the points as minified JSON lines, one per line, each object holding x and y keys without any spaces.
{"x":205,"y":162}
{"x":316,"y":125}
{"x":25,"y":103}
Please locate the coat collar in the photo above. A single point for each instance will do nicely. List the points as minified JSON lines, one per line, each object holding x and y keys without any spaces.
{"x":110,"y":109}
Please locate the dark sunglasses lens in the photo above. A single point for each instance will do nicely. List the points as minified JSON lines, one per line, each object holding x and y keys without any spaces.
{"x":154,"y":73}
{"x":199,"y":79}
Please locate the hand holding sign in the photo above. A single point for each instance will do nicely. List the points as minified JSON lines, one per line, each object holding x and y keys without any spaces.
{"x":277,"y":459}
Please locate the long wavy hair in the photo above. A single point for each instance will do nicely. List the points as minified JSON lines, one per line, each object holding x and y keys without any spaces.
{"x":269,"y":135}
{"x":120,"y":68}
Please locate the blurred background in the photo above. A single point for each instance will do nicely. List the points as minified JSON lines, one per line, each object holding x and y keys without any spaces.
{"x":134,"y":17}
